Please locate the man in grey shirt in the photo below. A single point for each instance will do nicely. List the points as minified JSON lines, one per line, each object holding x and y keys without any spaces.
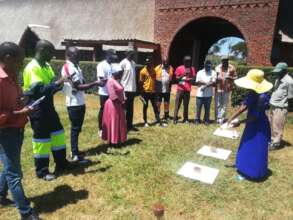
{"x":283,"y":91}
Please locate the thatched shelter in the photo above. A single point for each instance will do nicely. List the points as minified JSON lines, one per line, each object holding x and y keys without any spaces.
{"x":25,"y":21}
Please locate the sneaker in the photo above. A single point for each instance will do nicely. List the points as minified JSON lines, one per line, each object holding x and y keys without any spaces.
{"x":206,"y":123}
{"x":274,"y":146}
{"x":33,"y":216}
{"x":100,"y":133}
{"x":49,"y":177}
{"x":6,"y":202}
{"x":175,"y":122}
{"x":80,"y":160}
{"x":240,"y":178}
{"x":146,"y":125}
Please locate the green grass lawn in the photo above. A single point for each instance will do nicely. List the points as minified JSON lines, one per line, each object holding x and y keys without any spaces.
{"x":126,"y":183}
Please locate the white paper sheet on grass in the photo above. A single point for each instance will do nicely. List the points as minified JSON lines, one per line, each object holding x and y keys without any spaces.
{"x":214,"y":152}
{"x":198,"y":172}
{"x":233,"y":134}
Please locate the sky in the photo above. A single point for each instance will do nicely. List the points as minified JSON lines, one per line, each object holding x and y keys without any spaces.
{"x":225,"y":48}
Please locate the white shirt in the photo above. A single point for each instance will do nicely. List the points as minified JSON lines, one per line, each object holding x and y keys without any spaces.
{"x":205,"y":77}
{"x":128,"y":80}
{"x":165,"y":81}
{"x":104,"y":70}
{"x":73,"y":96}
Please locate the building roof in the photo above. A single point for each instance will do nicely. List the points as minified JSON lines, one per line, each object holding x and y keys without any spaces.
{"x":56,"y":20}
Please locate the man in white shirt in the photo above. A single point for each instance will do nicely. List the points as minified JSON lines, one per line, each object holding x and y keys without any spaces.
{"x":104,"y":72}
{"x":128,"y":81}
{"x":75,"y":99}
{"x":226,"y":74}
{"x":205,"y":80}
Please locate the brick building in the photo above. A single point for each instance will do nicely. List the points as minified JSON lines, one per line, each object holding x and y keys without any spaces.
{"x":176,"y":27}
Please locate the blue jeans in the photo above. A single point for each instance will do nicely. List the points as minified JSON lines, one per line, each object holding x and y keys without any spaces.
{"x":206,"y":102}
{"x":10,"y":143}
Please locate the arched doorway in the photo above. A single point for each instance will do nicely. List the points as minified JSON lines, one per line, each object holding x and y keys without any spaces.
{"x":198,"y":36}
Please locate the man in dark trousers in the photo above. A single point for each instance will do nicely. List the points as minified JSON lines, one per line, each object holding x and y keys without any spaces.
{"x":75,"y":98}
{"x":128,"y":81}
{"x":104,"y":72}
{"x":185,"y":75}
{"x":48,"y":132}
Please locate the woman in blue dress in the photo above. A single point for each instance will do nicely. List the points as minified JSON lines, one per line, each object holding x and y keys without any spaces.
{"x":252,"y":155}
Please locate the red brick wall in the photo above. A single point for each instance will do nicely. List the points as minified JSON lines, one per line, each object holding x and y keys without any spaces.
{"x":254,"y":18}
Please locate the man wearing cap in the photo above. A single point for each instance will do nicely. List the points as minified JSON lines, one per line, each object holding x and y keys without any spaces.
{"x":147,"y":79}
{"x":283,"y":91}
{"x":104,"y":72}
{"x":226,"y":74}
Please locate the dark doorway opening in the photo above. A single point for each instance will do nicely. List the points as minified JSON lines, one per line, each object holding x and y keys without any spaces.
{"x":197,"y":37}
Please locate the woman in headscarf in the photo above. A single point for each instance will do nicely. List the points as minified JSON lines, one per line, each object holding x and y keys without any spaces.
{"x":114,"y":120}
{"x":252,"y":155}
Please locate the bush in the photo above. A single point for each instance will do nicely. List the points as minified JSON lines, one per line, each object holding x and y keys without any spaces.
{"x":238,"y":94}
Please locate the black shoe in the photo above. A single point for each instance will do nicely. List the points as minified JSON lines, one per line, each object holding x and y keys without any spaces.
{"x":133,"y":129}
{"x":49,"y":177}
{"x":185,"y":121}
{"x":65,"y":169}
{"x":175,"y":122}
{"x":33,"y":216}
{"x":6,"y":202}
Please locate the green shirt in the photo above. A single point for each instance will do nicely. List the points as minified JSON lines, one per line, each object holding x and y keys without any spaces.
{"x":283,"y":91}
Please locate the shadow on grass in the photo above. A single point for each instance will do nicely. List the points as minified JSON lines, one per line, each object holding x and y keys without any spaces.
{"x":61,"y":196}
{"x":81,"y":168}
{"x":104,"y":148}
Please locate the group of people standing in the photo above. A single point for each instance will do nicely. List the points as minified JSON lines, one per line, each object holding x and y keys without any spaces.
{"x":119,"y":84}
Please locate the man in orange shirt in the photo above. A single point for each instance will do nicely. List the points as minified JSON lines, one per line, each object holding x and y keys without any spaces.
{"x":13,"y":117}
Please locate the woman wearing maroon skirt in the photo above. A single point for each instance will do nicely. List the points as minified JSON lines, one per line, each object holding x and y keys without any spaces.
{"x":114,"y":120}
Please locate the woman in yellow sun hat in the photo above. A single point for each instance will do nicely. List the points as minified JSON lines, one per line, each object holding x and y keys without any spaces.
{"x":252,"y":155}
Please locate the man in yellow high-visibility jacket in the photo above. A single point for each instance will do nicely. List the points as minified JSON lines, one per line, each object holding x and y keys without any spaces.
{"x":48,"y":132}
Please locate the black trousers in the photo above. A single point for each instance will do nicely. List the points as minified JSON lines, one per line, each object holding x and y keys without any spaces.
{"x":76,"y":117}
{"x":129,"y":104}
{"x":103,"y":99}
{"x":185,"y":96}
{"x":45,"y":130}
{"x":153,"y":98}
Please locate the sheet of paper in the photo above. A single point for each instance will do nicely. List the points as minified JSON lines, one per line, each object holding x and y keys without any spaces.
{"x":218,"y":153}
{"x":233,"y":134}
{"x":198,"y":172}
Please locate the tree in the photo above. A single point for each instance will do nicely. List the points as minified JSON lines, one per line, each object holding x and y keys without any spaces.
{"x":239,"y":50}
